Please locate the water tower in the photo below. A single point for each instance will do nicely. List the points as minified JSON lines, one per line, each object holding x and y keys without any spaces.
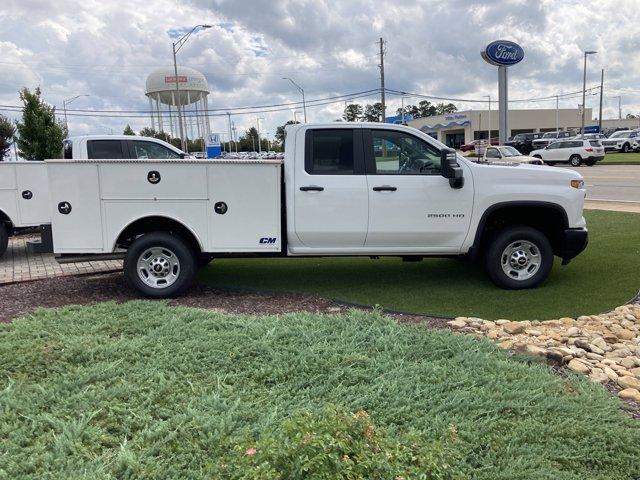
{"x":191,"y":97}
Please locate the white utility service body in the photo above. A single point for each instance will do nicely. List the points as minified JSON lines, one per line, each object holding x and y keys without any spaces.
{"x":342,"y":189}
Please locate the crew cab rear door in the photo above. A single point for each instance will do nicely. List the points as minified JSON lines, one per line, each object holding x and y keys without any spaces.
{"x":331,"y":200}
{"x":412,"y":208}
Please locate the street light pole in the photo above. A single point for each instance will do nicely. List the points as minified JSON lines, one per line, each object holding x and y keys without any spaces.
{"x":489,"y":97}
{"x":584,"y":85}
{"x":176,"y":48}
{"x":300,"y":89}
{"x":259,"y":143}
{"x":64,"y":107}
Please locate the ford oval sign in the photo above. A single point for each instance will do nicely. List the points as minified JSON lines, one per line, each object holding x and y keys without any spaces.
{"x":503,"y":52}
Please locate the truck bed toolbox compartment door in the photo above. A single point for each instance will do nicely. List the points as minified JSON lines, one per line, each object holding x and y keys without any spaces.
{"x":76,"y":218}
{"x":8,"y":201}
{"x":244,"y":207}
{"x":34,"y":202}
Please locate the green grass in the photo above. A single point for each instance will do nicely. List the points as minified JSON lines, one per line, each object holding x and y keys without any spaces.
{"x":143,"y":390}
{"x":604,"y":276}
{"x":631,"y":158}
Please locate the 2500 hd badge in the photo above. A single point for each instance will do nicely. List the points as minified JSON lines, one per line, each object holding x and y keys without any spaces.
{"x":445,"y":215}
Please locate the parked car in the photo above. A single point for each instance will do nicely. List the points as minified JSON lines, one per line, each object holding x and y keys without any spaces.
{"x":573,"y":151}
{"x":523,"y":142}
{"x":621,"y":141}
{"x":327,"y":198}
{"x":198,"y":154}
{"x":471,"y":146}
{"x":508,"y":154}
{"x":548,"y":138}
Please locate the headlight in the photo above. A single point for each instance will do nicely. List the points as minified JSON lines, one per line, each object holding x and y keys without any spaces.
{"x":577,"y":183}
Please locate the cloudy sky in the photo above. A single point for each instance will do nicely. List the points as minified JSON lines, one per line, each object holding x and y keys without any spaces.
{"x":107,"y":48}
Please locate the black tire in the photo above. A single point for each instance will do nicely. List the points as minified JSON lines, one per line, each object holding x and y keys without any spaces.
{"x":4,"y":239}
{"x":537,"y":156}
{"x":625,"y":148}
{"x":170,"y":249}
{"x":590,"y":163}
{"x":551,"y":164}
{"x":506,"y":240}
{"x":575,"y":160}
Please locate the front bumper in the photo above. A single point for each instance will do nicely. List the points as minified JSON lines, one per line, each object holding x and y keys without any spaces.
{"x":574,"y":241}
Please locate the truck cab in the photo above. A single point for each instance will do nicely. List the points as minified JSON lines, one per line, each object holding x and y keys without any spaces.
{"x":119,"y":147}
{"x":356,"y":189}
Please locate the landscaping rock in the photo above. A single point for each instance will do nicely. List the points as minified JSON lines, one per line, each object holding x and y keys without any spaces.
{"x":578,"y":366}
{"x":457,"y":324}
{"x":573,"y":332}
{"x":630,"y":394}
{"x":629,"y":381}
{"x":513,"y":328}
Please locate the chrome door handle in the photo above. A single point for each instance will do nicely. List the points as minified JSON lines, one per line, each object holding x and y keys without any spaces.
{"x":385,"y":188}
{"x":312,"y":188}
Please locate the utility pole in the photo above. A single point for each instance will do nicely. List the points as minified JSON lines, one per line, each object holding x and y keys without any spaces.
{"x":600,"y":112}
{"x":235,"y":139}
{"x":489,"y":97}
{"x":584,"y":85}
{"x":557,"y":111}
{"x":259,"y":143}
{"x":230,"y":134}
{"x":619,"y":97}
{"x":382,"y":101}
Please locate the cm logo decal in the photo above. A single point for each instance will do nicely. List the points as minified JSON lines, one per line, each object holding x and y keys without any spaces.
{"x":267,"y":240}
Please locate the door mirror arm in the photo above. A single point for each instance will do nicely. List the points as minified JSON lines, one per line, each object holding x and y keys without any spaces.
{"x":450,"y":168}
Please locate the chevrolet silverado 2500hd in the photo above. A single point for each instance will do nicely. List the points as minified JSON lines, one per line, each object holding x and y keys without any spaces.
{"x":350,"y":189}
{"x":24,"y":187}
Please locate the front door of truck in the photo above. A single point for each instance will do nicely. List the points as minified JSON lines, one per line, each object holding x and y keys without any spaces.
{"x":331,"y":200}
{"x":411,"y":206}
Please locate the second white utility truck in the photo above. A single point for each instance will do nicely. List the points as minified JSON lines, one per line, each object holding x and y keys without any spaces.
{"x":348,"y":189}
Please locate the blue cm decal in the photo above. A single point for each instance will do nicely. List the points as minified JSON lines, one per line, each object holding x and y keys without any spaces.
{"x":268,"y":240}
{"x":503,"y":52}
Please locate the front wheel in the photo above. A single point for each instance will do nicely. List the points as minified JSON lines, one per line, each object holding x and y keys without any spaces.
{"x":575,"y":160}
{"x":625,"y":148}
{"x":4,"y":239}
{"x":159,"y":265}
{"x":519,"y":257}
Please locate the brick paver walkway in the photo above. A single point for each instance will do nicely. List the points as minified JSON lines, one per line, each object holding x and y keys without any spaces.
{"x":19,"y":265}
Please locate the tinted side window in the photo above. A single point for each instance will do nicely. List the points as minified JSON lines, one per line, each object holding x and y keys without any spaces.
{"x":144,"y":149}
{"x":595,"y":143}
{"x":400,"y":153}
{"x":67,"y":150}
{"x":331,"y":152}
{"x":576,"y":144}
{"x":99,"y":149}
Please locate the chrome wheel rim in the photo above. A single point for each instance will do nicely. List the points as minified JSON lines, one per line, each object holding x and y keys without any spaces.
{"x":521,"y":260}
{"x":158,"y":267}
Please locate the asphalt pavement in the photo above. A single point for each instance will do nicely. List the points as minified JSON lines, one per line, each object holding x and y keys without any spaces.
{"x":611,"y":183}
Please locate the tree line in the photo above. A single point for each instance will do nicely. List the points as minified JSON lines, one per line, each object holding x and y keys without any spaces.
{"x":355,"y":112}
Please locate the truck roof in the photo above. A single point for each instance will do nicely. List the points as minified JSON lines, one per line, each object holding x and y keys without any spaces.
{"x":111,"y":137}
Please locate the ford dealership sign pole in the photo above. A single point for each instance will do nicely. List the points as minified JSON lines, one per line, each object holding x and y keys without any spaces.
{"x":503,"y":53}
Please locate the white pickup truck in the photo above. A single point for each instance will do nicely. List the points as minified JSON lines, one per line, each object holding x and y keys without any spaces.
{"x":24,"y":187}
{"x":348,"y":189}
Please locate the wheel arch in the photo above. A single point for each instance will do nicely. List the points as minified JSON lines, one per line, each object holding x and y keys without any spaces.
{"x":6,"y":220}
{"x":157,"y":223}
{"x":548,"y":217}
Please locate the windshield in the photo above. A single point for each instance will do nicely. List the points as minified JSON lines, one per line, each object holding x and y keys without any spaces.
{"x":509,"y":152}
{"x":549,"y":135}
{"x":620,"y":135}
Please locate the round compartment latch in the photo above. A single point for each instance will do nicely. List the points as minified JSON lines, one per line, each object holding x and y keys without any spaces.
{"x":27,"y":195}
{"x":64,"y":208}
{"x":220,"y":208}
{"x":154,"y":177}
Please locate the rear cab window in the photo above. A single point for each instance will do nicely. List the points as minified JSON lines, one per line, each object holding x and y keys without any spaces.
{"x":105,"y":149}
{"x":145,"y":149}
{"x":333,"y":152}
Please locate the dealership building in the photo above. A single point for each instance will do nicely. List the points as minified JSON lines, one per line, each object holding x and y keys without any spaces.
{"x":455,"y":129}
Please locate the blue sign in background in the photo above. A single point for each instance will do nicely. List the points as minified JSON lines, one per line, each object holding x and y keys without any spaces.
{"x":504,"y":52}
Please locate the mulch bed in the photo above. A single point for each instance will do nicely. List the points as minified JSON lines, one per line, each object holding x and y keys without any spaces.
{"x":21,"y":298}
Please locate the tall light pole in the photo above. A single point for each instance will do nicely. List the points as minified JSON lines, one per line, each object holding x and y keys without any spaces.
{"x":64,"y":107}
{"x":176,"y":48}
{"x":489,"y":97}
{"x":584,"y":85}
{"x":300,"y":89}
{"x":259,"y":144}
{"x":295,"y":118}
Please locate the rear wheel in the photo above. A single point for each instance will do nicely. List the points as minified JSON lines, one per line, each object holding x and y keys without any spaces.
{"x":625,"y":148}
{"x":159,"y":265}
{"x":519,"y":257}
{"x":575,"y":160}
{"x":4,"y":239}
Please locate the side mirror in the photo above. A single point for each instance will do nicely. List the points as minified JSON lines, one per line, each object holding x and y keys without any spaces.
{"x":450,"y":168}
{"x":183,"y":155}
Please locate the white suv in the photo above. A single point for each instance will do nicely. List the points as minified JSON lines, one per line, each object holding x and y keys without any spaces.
{"x":622,"y":141}
{"x":574,"y":151}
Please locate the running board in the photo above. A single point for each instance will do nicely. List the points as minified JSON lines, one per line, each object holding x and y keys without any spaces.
{"x":88,"y":257}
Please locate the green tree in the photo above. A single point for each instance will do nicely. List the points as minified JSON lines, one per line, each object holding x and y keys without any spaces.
{"x":372,"y":113}
{"x":353,"y":112}
{"x":443,"y":108}
{"x":40,"y":135}
{"x":128,"y":130}
{"x":150,"y":132}
{"x":248,"y":141}
{"x":280,"y":133}
{"x":424,"y":109}
{"x":7,"y":131}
